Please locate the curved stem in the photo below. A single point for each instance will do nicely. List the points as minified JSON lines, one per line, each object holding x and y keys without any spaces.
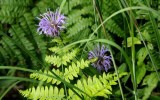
{"x":107,"y":37}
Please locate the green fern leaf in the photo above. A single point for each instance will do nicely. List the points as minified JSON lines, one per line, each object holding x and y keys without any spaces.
{"x":47,"y":79}
{"x":74,"y":69}
{"x":43,"y":93}
{"x":69,"y":73}
{"x":76,"y":15}
{"x":62,"y":59}
{"x":12,"y":51}
{"x":79,"y":26}
{"x":12,"y":9}
{"x":4,"y":56}
{"x":96,"y":86}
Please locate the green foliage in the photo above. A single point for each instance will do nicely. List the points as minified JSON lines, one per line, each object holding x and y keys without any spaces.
{"x":96,"y":86}
{"x":21,"y":45}
{"x":43,"y":93}
{"x":19,"y":35}
{"x":10,"y":50}
{"x":129,"y":41}
{"x":20,"y":42}
{"x":93,"y":86}
{"x":71,"y":69}
{"x":10,"y":10}
{"x":141,"y":67}
{"x":113,"y":25}
{"x":80,"y":18}
{"x":61,"y":59}
{"x":23,"y":42}
{"x":150,"y":81}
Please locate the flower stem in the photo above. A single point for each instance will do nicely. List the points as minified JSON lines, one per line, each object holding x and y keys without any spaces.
{"x":107,"y":37}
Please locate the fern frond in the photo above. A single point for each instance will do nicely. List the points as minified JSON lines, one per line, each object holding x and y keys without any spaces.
{"x":96,"y":86}
{"x":12,"y":50}
{"x":28,"y":25}
{"x":80,"y":18}
{"x":12,"y":9}
{"x":74,"y":69}
{"x":74,"y":3}
{"x":113,"y":27}
{"x":115,"y":24}
{"x":43,"y":93}
{"x":42,"y":5}
{"x":60,"y":51}
{"x":24,"y":40}
{"x":15,"y":2}
{"x":69,"y":73}
{"x":62,"y":59}
{"x":76,"y":15}
{"x":18,"y":35}
{"x":4,"y":56}
{"x":79,"y":26}
{"x":47,"y":79}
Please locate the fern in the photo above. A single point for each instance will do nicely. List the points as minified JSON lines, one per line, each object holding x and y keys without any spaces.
{"x":64,"y":62}
{"x":12,"y":9}
{"x":113,"y":25}
{"x":61,"y":59}
{"x":72,"y":69}
{"x":28,"y":25}
{"x":23,"y":42}
{"x":43,"y":93}
{"x":81,"y":25}
{"x":45,"y":78}
{"x":12,"y":51}
{"x":76,"y":15}
{"x":74,"y":3}
{"x":69,"y":73}
{"x":95,"y":86}
{"x":20,"y":38}
{"x":80,"y":18}
{"x":42,"y":5}
{"x":151,"y":41}
{"x":4,"y":56}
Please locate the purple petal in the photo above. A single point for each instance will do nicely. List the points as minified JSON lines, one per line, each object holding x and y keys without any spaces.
{"x":104,"y":61}
{"x":51,"y":23}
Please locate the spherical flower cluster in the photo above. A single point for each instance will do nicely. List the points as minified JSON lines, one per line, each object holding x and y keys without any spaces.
{"x":51,"y":23}
{"x":103,"y":61}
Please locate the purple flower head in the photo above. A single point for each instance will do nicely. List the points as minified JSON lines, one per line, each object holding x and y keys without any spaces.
{"x":51,"y":23}
{"x":103,"y":61}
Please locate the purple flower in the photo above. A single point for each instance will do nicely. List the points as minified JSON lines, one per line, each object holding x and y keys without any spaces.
{"x":103,"y":61}
{"x":51,"y":23}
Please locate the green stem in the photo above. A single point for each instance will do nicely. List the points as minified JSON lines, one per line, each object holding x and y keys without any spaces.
{"x":8,"y":89}
{"x":107,"y":36}
{"x":62,"y":5}
{"x":72,"y":87}
{"x":115,"y":67}
{"x":153,"y":63}
{"x":65,"y":88}
{"x":133,"y":55}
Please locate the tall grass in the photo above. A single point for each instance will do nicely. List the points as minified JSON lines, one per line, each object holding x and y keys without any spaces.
{"x":132,"y":29}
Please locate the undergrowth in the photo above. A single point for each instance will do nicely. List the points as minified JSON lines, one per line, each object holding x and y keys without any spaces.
{"x":60,"y":66}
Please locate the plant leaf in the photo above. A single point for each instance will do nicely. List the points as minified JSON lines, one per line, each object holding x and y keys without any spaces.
{"x":140,"y":73}
{"x":151,"y":81}
{"x":129,"y":41}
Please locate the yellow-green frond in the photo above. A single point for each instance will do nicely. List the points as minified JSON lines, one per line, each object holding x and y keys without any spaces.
{"x":43,"y":93}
